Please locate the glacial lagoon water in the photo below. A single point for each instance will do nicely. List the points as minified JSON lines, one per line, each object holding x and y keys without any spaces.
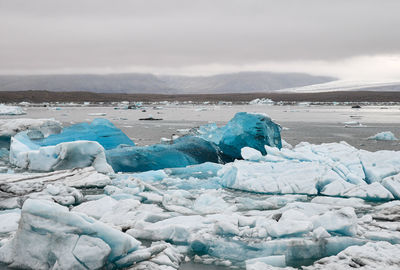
{"x":306,"y":203}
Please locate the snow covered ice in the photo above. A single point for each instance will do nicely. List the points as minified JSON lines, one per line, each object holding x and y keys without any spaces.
{"x":235,"y":196}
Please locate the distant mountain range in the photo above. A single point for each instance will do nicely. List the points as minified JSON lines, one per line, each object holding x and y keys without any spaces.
{"x":135,"y":83}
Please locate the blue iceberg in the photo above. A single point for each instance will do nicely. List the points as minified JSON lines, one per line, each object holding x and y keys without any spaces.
{"x":212,"y":144}
{"x":100,"y":130}
{"x":77,"y":146}
{"x":245,"y":129}
{"x":182,"y":152}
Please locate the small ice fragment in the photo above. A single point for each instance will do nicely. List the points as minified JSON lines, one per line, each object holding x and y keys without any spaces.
{"x":383,"y":136}
{"x":97,"y":114}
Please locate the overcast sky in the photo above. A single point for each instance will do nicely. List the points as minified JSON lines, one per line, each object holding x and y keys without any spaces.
{"x":352,"y":39}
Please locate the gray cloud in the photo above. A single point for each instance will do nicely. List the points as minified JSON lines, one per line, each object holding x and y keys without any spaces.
{"x":169,"y":35}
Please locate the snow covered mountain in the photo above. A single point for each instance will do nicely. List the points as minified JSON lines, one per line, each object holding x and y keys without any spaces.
{"x":345,"y":85}
{"x":243,"y":82}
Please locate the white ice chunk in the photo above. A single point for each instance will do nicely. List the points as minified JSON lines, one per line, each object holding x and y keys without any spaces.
{"x":9,"y":220}
{"x":251,"y":154}
{"x":261,"y":101}
{"x":375,"y":191}
{"x":380,"y":164}
{"x":342,"y":221}
{"x":68,"y":155}
{"x":384,"y":136}
{"x":379,"y":255}
{"x":320,"y":233}
{"x":91,"y":251}
{"x":48,"y":234}
{"x":210,"y":202}
{"x":287,"y":145}
{"x":10,"y":110}
{"x":337,"y":202}
{"x":226,"y":228}
{"x":278,"y":261}
{"x":125,"y":213}
{"x":392,"y":183}
{"x":336,"y":188}
{"x":177,"y":229}
{"x":289,"y":228}
{"x":279,"y":178}
{"x":96,"y":208}
{"x":10,"y":127}
{"x":59,"y":193}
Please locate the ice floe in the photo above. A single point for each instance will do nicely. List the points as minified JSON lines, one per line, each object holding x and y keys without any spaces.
{"x":384,"y":136}
{"x":76,"y":146}
{"x":379,"y":255}
{"x":10,"y":110}
{"x":10,"y":127}
{"x":49,"y":236}
{"x":67,"y":155}
{"x":335,"y":169}
{"x":212,"y":144}
{"x":261,"y":101}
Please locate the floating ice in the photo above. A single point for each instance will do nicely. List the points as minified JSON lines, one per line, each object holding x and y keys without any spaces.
{"x":211,"y":145}
{"x":49,"y":236}
{"x":202,"y":171}
{"x":52,"y":187}
{"x":379,"y":165}
{"x":280,"y":207}
{"x":10,"y":110}
{"x":97,"y":114}
{"x":99,"y":130}
{"x":278,"y":261}
{"x":184,"y":151}
{"x":274,"y":178}
{"x":379,"y":255}
{"x":9,"y":220}
{"x":392,"y":183}
{"x":76,"y":146}
{"x":245,"y":129}
{"x":96,"y":208}
{"x":251,"y":154}
{"x":262,"y":101}
{"x":210,"y":202}
{"x":24,"y":153}
{"x":21,"y":184}
{"x":294,"y":249}
{"x":383,"y":136}
{"x":10,"y":127}
{"x":343,"y":221}
{"x":334,"y":169}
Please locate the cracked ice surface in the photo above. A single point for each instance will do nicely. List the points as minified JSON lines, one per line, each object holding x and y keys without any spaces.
{"x":328,"y":206}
